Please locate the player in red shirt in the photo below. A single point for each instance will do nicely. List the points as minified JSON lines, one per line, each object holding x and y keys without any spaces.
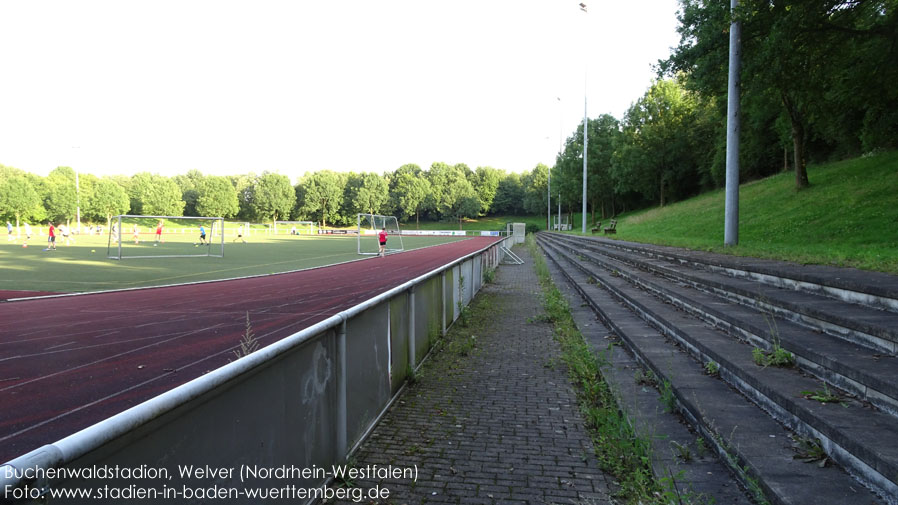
{"x":51,"y":239}
{"x":382,"y":238}
{"x":158,"y":234}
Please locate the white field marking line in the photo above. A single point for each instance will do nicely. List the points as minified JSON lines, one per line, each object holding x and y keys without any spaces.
{"x":83,"y":347}
{"x":43,"y":377}
{"x":60,"y":345}
{"x":112,"y":395}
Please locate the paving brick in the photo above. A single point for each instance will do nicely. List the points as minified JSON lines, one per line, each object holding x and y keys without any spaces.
{"x":498,"y":426}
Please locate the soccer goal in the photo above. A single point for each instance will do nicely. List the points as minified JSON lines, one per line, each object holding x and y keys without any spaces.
{"x":133,"y":236}
{"x":295,"y":228}
{"x":369,"y":225}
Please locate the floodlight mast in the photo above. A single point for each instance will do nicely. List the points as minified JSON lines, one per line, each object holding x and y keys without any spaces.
{"x":731,"y":204}
{"x":585,"y":123}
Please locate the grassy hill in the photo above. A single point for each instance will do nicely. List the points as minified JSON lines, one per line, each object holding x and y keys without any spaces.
{"x":848,"y":217}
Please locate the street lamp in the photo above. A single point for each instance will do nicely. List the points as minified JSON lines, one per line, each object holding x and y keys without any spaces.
{"x":585,"y":122}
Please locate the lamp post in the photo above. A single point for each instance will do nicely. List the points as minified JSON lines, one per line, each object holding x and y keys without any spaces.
{"x":585,"y":136}
{"x":731,"y":203}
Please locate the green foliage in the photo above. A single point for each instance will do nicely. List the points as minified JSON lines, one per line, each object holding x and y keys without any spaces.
{"x":410,"y":192}
{"x":809,"y":450}
{"x":272,"y":196}
{"x":216,"y":197}
{"x":322,"y":195}
{"x":777,"y":356}
{"x":109,"y":199}
{"x":668,"y":398}
{"x":154,"y":195}
{"x":712,"y":368}
{"x":60,"y":198}
{"x":18,"y":198}
{"x":823,"y":396}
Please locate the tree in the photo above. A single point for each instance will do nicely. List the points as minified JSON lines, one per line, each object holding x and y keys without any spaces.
{"x":109,"y":199}
{"x":155,"y":195}
{"x":58,"y":191}
{"x":190,"y":185}
{"x":657,"y":154}
{"x":535,"y":189}
{"x":18,"y":198}
{"x":486,"y":185}
{"x":366,"y":193}
{"x":243,"y":184}
{"x":322,"y":194}
{"x":273,"y":196}
{"x":410,"y":194}
{"x":216,"y":196}
{"x":509,"y":197}
{"x":460,"y":200}
{"x":824,"y":70}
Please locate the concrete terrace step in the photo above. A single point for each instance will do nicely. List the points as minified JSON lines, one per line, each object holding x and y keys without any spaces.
{"x":857,"y":441}
{"x":695,"y":467}
{"x":875,"y":289}
{"x":869,"y":326}
{"x":858,"y":370}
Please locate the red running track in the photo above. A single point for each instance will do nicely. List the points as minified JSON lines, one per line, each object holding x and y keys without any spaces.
{"x":67,"y":363}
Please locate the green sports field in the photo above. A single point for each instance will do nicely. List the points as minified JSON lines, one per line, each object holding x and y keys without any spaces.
{"x":83,"y":265}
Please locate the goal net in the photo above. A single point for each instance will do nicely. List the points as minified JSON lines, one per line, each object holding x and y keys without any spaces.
{"x":368,"y":227}
{"x":295,"y":228}
{"x":165,"y":237}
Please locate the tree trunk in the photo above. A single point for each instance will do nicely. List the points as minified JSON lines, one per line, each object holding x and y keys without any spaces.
{"x":798,"y":142}
{"x":417,"y":220}
{"x":785,"y":158}
{"x":661,"y":186}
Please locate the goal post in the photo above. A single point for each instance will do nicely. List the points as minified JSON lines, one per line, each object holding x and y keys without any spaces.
{"x":295,"y":228}
{"x":135,"y":236}
{"x":369,"y":225}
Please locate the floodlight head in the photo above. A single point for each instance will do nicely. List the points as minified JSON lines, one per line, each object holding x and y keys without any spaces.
{"x":582,"y":6}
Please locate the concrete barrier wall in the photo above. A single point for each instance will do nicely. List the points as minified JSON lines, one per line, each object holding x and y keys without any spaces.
{"x":294,"y":408}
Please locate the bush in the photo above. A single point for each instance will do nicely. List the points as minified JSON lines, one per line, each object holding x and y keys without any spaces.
{"x":532,"y":228}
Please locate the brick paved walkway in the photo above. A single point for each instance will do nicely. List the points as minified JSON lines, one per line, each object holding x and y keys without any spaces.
{"x":499,"y":425}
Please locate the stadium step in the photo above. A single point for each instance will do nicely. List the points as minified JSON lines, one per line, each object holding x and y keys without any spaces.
{"x":675,"y":331}
{"x":821,"y":301}
{"x":865,"y":373}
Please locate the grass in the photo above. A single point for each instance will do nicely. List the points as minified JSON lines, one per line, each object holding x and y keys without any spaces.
{"x":83,"y":266}
{"x":847,"y":217}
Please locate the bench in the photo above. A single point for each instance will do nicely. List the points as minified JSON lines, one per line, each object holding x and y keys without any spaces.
{"x":611,"y":228}
{"x":596,"y":227}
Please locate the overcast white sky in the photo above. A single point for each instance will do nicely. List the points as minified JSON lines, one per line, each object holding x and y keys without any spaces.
{"x":229,"y":87}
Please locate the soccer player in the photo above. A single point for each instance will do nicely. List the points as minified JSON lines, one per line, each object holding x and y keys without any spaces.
{"x":158,"y":233}
{"x":382,"y":238}
{"x":51,"y":238}
{"x":135,"y":233}
{"x":240,"y":234}
{"x":27,"y":234}
{"x":202,"y":235}
{"x":9,"y":231}
{"x":64,"y":229}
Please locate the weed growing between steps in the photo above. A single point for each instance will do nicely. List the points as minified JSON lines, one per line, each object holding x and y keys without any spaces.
{"x":621,"y":451}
